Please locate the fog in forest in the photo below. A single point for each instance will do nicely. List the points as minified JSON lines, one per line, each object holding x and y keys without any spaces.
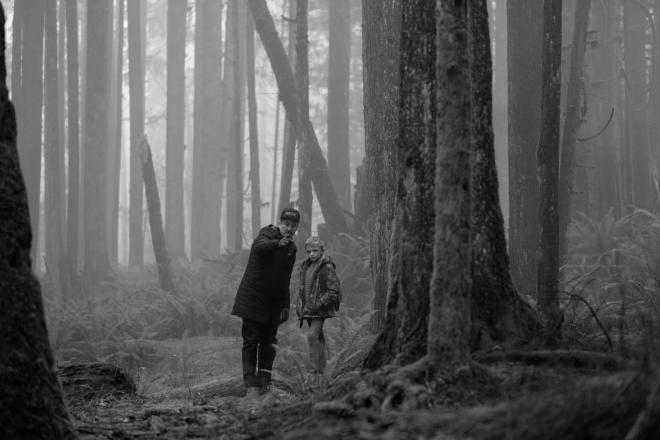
{"x":481,"y":179}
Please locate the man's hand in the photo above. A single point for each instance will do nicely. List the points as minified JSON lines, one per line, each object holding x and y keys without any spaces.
{"x":284,"y":314}
{"x":284,"y":242}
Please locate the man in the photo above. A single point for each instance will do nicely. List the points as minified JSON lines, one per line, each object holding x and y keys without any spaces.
{"x":263,"y":297}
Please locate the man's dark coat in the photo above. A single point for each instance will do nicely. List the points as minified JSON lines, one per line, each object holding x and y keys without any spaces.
{"x":264,"y":289}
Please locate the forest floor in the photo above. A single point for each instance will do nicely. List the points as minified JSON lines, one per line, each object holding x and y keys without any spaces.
{"x":195,"y":392}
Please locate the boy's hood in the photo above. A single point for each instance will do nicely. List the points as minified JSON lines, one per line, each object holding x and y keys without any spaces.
{"x":325,"y":259}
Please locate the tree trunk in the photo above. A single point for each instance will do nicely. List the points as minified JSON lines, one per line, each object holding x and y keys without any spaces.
{"x":236,"y":63}
{"x":403,"y":339}
{"x":208,"y":158}
{"x":255,"y":181}
{"x":634,"y":27}
{"x":96,"y":258}
{"x":289,"y":142}
{"x":572,"y":121}
{"x":156,"y":220}
{"x":30,"y":121}
{"x":176,"y":53}
{"x":73,"y":126}
{"x":136,"y":30}
{"x":548,"y":167}
{"x":498,"y":311}
{"x":339,"y":63}
{"x":524,"y":21}
{"x":449,"y":315}
{"x":381,"y":23}
{"x":325,"y":193}
{"x":115,"y":123}
{"x":17,"y":52}
{"x":603,"y":86}
{"x":655,"y":92}
{"x":53,"y":196}
{"x":31,"y":404}
{"x":305,"y":196}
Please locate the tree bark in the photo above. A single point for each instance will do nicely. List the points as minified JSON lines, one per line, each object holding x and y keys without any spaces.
{"x":115,"y":124}
{"x":31,"y":403}
{"x":634,"y":57}
{"x":208,"y":157}
{"x":450,"y":302}
{"x":236,"y":63}
{"x":156,"y":220}
{"x":289,"y":141}
{"x":176,"y":53}
{"x":404,"y":338}
{"x":53,"y":195}
{"x":498,"y":311}
{"x":305,"y":196}
{"x":548,"y":167}
{"x":255,"y":181}
{"x":500,"y":94}
{"x":572,"y":121}
{"x":339,"y":63}
{"x":136,"y":30}
{"x":524,"y":21}
{"x":96,"y":259}
{"x":325,"y":193}
{"x":381,"y":24}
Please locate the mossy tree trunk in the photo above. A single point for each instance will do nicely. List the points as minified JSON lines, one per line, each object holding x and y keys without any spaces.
{"x":403,"y":340}
{"x":381,"y":22}
{"x":31,"y":402}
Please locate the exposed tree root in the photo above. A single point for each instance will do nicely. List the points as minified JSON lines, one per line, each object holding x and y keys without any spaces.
{"x":565,"y":358}
{"x":602,"y":408}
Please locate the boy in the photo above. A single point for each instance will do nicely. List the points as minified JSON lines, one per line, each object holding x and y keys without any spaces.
{"x":263,"y":297}
{"x":318,"y":298}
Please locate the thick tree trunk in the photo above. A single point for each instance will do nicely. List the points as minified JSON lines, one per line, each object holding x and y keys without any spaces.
{"x":572,"y":121}
{"x":176,"y":53}
{"x":208,"y":158}
{"x":156,"y":220}
{"x":305,"y":196}
{"x":235,"y":118}
{"x":498,"y":311}
{"x":381,"y":24}
{"x":289,"y":141}
{"x":136,"y":30}
{"x":255,"y":181}
{"x":115,"y":124}
{"x":29,"y":119}
{"x":548,"y":167}
{"x":96,"y":140}
{"x":524,"y":21}
{"x":450,"y":302}
{"x":339,"y":63}
{"x":31,"y":403}
{"x":403,"y":339}
{"x":634,"y":56}
{"x":325,"y":193}
{"x":53,"y":195}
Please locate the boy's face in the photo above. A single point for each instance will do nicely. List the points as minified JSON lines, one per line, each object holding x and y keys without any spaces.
{"x":288,"y":228}
{"x":314,"y":252}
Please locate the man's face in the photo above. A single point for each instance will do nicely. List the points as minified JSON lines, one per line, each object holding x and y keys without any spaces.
{"x":314,"y":252}
{"x":288,"y":228}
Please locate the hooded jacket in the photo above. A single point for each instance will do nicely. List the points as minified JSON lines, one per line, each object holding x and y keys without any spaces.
{"x":264,"y":288}
{"x":323,"y":299}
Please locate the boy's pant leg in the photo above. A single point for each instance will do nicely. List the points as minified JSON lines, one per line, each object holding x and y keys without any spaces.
{"x":250,"y":331}
{"x":266,"y":354}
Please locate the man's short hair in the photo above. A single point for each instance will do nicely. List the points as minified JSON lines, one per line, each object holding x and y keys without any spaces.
{"x":290,"y":214}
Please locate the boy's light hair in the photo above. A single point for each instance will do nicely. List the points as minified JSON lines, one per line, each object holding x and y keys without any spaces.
{"x":314,"y":241}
